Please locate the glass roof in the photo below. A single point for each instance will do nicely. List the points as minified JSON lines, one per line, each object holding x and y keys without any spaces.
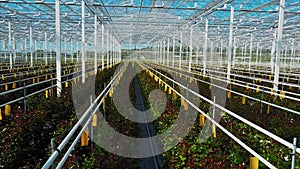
{"x":145,"y":22}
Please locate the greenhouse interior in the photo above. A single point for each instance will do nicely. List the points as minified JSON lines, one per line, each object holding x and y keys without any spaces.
{"x":150,"y":84}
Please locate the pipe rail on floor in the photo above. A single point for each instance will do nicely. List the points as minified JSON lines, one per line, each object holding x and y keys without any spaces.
{"x":211,"y":68}
{"x":87,"y":114}
{"x":77,"y":74}
{"x":271,"y":135}
{"x":253,"y":71}
{"x":31,"y":71}
{"x":253,"y":78}
{"x":39,"y":83}
{"x":240,"y":94}
{"x":223,"y":79}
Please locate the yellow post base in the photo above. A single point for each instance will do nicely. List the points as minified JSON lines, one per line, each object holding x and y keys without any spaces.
{"x":85,"y":138}
{"x":103,"y":103}
{"x":282,"y":95}
{"x":254,"y":163}
{"x":214,"y":130}
{"x":228,"y":94}
{"x":243,"y":100}
{"x":268,"y":109}
{"x":174,"y":96}
{"x":94,"y":120}
{"x":202,"y":119}
{"x":46,"y":94}
{"x":14,"y":85}
{"x":257,"y":89}
{"x":170,"y":90}
{"x":7,"y":110}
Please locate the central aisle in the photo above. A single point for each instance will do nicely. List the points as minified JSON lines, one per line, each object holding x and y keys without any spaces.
{"x":146,"y":131}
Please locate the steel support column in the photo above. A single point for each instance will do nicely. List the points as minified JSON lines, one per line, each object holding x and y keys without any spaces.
{"x":10,"y":45}
{"x":83,"y":39}
{"x":95,"y":45}
{"x":173,"y":52}
{"x":168,"y":51}
{"x":191,"y":48}
{"x":102,"y":46}
{"x":250,"y":53}
{"x":278,"y":46}
{"x":229,"y":51}
{"x":180,"y":49}
{"x":58,"y":47}
{"x":45,"y":49}
{"x":205,"y":47}
{"x":65,"y":49}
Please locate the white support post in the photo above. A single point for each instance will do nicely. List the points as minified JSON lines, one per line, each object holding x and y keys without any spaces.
{"x":212,"y":51}
{"x":25,"y":49}
{"x":50,"y":48}
{"x":35,"y":51}
{"x":161,"y":53}
{"x":31,"y":46}
{"x":158,"y":54}
{"x":260,"y":49}
{"x":273,"y":50}
{"x":245,"y":55}
{"x":95,"y":45}
{"x":229,"y":51}
{"x":65,"y":49}
{"x":107,"y":49}
{"x":173,"y":52}
{"x":77,"y":51}
{"x":65,"y":43}
{"x":180,"y":49}
{"x":221,"y":53}
{"x":112,"y":50}
{"x":285,"y":54}
{"x":10,"y":45}
{"x":102,"y":45}
{"x":155,"y":53}
{"x":168,"y":51}
{"x":292,"y":53}
{"x":257,"y":50}
{"x":191,"y":48}
{"x":58,"y":47}
{"x":72,"y":50}
{"x":164,"y":52}
{"x":45,"y":49}
{"x":250,"y":53}
{"x":205,"y":47}
{"x":234,"y":51}
{"x":278,"y":47}
{"x":14,"y":49}
{"x":83,"y":39}
{"x":197,"y":54}
{"x":22,"y":48}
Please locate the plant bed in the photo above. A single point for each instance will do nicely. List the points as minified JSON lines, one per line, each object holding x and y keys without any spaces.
{"x":222,"y":151}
